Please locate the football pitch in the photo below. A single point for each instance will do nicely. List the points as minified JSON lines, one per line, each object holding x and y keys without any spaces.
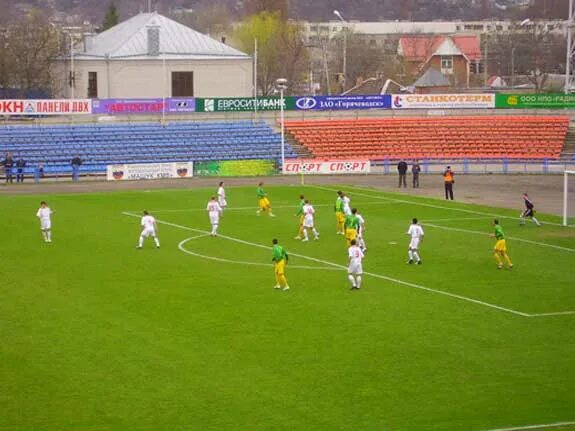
{"x":97,"y":335}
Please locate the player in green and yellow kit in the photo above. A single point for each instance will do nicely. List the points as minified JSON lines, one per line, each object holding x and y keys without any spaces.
{"x":280,"y":259}
{"x":339,"y":214}
{"x":299,"y":213}
{"x":500,"y":249}
{"x":351,"y":225}
{"x":263,"y":201}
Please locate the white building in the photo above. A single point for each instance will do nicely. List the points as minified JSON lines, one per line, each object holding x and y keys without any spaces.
{"x":151,"y":56}
{"x":315,"y":31}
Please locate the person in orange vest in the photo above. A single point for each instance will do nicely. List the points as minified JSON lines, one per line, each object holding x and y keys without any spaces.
{"x":449,"y":180}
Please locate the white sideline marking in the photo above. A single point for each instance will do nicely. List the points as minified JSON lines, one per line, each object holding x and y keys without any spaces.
{"x":534,"y":427}
{"x":239,"y":262}
{"x":252,"y":208}
{"x":325,"y":262}
{"x":426,"y":204}
{"x":477,"y":232}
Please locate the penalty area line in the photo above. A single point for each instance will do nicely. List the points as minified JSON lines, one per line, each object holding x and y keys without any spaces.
{"x":527,"y":241}
{"x":424,"y":204}
{"x":534,"y":427}
{"x":336,"y":265}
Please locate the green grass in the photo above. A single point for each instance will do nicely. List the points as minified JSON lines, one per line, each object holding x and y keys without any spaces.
{"x":96,"y":335}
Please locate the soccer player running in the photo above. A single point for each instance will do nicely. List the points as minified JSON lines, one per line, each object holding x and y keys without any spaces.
{"x":300,"y":215}
{"x":222,"y":197}
{"x":351,"y":225}
{"x":354,"y":268}
{"x":308,"y":215}
{"x":263,"y":201}
{"x":360,"y":231}
{"x":528,"y":212}
{"x":416,"y":233}
{"x":500,"y":249}
{"x":214,"y":211}
{"x":149,"y":228}
{"x":280,"y":259}
{"x":346,"y":204}
{"x":339,"y":214}
{"x":44,"y":213}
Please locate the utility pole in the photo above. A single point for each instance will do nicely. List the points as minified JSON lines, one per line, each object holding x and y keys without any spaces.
{"x":570,"y":48}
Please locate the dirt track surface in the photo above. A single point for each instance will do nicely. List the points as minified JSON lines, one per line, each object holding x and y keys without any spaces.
{"x":496,"y":190}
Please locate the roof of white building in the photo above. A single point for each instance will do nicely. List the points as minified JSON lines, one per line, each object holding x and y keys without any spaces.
{"x":129,"y":40}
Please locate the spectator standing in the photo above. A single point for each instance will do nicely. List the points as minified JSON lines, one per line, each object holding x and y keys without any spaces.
{"x":20,"y":165}
{"x":415,"y":170}
{"x":402,"y":170}
{"x":449,"y":180}
{"x":8,"y":164}
{"x":76,"y":163}
{"x":39,"y":172}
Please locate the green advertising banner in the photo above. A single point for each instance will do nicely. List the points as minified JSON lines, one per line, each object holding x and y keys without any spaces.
{"x":235,"y":168}
{"x":542,"y":101}
{"x":241,"y":104}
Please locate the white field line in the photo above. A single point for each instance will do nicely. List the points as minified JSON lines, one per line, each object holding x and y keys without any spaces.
{"x":423,"y":204}
{"x":252,"y":208}
{"x":181,"y":246}
{"x":527,"y":241}
{"x":455,"y":219}
{"x":335,"y":265}
{"x":556,"y":313}
{"x":534,"y":427}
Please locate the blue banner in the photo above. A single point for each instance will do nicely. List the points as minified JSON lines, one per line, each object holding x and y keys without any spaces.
{"x":337,"y":103}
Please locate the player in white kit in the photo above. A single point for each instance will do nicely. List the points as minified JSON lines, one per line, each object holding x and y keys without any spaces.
{"x":308,"y":215}
{"x":360,"y":232}
{"x":45,"y":215}
{"x":354,"y":269}
{"x":149,"y":228}
{"x":214,"y":211}
{"x":222,"y":197}
{"x":346,"y":204}
{"x":416,"y":233}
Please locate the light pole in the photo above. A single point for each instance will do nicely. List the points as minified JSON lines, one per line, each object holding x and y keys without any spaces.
{"x":344,"y":22}
{"x":521,"y":24}
{"x":72,"y":77}
{"x":281,"y":86}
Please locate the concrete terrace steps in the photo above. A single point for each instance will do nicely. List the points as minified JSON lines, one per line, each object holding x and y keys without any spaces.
{"x":568,"y":152}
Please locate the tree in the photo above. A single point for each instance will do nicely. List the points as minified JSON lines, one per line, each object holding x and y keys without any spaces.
{"x":531,"y":54}
{"x":281,"y":50}
{"x":111,"y":19}
{"x":31,"y":45}
{"x":215,"y":19}
{"x":364,"y":59}
{"x":254,"y":7}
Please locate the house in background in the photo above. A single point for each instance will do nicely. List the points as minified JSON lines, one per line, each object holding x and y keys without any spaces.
{"x":151,"y":56}
{"x":432,"y":81}
{"x":457,"y":57}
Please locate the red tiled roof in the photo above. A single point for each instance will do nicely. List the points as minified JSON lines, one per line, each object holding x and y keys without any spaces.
{"x":421,"y":48}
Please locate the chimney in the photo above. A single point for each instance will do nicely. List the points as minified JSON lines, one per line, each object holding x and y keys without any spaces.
{"x":88,"y":41}
{"x":153,"y":40}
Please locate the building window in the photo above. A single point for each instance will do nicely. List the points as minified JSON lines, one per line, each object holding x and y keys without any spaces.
{"x":447,"y":64}
{"x":92,"y":85}
{"x":182,"y":84}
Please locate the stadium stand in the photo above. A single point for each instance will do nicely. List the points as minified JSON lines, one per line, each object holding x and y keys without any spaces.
{"x":99,"y":145}
{"x":482,"y":137}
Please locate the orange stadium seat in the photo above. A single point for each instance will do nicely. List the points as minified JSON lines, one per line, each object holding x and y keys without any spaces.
{"x":473,"y":137}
